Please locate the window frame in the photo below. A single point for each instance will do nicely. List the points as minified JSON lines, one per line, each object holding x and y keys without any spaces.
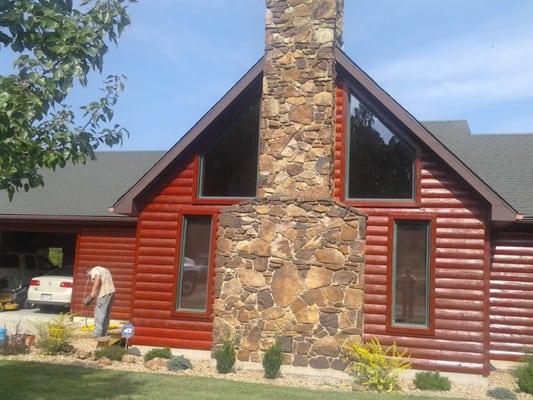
{"x":428,"y":330}
{"x":207,"y":314}
{"x":350,"y":89}
{"x":198,"y":163}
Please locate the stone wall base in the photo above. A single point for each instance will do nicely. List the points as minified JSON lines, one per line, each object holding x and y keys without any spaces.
{"x":290,"y":270}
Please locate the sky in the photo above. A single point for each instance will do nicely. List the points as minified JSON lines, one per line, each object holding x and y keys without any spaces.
{"x":441,"y":59}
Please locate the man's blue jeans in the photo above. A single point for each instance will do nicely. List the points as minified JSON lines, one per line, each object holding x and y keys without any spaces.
{"x":102,"y":314}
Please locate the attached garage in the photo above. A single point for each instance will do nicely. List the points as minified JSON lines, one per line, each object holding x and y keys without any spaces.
{"x":67,"y":223}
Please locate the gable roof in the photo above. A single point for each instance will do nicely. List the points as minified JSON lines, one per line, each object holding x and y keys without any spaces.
{"x":501,"y":210}
{"x":81,"y":191}
{"x":502,"y":160}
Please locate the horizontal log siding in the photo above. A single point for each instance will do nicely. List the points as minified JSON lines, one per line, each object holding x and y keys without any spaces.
{"x":458,"y":342}
{"x":511,"y":295}
{"x":158,"y":241}
{"x":113,"y":249}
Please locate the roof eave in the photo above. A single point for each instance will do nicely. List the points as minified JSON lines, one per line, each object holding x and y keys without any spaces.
{"x":500,"y":209}
{"x":125,"y":204}
{"x":66,"y":218}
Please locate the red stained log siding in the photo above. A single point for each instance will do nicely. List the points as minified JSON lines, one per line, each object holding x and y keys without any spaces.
{"x":158,"y":243}
{"x":112,"y":248}
{"x":511,"y":295}
{"x":460,"y":328}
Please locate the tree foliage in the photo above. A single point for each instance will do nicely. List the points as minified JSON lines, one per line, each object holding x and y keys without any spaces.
{"x":56,"y":45}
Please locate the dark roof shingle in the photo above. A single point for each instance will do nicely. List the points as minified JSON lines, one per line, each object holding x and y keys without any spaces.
{"x":503,"y":161}
{"x":83,"y":190}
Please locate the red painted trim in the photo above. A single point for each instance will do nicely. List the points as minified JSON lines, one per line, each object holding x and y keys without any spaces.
{"x":432,"y":218}
{"x":342,"y":126}
{"x":192,"y":315}
{"x":343,"y":136}
{"x":486,"y":300}
{"x":74,"y":274}
{"x":135,"y":266}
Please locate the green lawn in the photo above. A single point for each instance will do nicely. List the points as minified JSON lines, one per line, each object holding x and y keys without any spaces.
{"x":37,"y":381}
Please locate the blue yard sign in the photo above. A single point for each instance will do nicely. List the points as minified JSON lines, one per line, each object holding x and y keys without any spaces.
{"x":128,"y":331}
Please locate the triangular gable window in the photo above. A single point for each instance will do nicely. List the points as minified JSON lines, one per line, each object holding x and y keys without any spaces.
{"x":228,"y":168}
{"x":380,"y":164}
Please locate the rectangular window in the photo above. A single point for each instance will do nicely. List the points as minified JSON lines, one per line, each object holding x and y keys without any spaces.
{"x":411,"y":274}
{"x":380,"y":164}
{"x":194,"y":263}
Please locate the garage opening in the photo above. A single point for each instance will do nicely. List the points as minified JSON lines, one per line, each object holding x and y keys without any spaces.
{"x":41,"y":262}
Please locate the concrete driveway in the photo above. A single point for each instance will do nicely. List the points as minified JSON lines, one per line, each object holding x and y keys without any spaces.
{"x":25,"y":320}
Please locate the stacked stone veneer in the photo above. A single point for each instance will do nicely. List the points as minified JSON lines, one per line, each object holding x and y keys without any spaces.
{"x":290,"y":270}
{"x":290,"y":264}
{"x":298,"y":102}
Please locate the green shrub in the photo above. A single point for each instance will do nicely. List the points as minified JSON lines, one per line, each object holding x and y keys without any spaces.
{"x":501,"y":394}
{"x":55,"y":336}
{"x":114,"y":353}
{"x":179,"y":363}
{"x":134,"y":351}
{"x":524,"y":374}
{"x":225,"y":356}
{"x":158,"y":353}
{"x":432,"y":381}
{"x":376,"y":367}
{"x":272,"y":360}
{"x":13,"y":347}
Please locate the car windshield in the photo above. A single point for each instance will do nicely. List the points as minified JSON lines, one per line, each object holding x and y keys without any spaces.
{"x":63,"y":271}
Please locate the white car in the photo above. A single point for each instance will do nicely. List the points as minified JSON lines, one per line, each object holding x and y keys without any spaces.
{"x":51,"y":290}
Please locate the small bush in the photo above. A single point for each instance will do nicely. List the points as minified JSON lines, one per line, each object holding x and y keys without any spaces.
{"x":134,"y":351}
{"x":179,"y":363}
{"x":12,"y":347}
{"x":501,"y":394}
{"x":55,"y":336}
{"x":272,"y":360}
{"x":225,"y":356}
{"x":524,"y":374}
{"x":432,"y":381}
{"x":158,"y":353}
{"x":375,"y":367}
{"x":114,"y":353}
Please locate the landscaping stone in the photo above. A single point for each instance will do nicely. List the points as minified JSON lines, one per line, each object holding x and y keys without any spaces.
{"x":129,"y":358}
{"x":104,"y":361}
{"x":156,"y":363}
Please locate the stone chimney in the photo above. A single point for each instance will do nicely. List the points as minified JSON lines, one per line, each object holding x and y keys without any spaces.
{"x":289,"y":264}
{"x":298,"y":105}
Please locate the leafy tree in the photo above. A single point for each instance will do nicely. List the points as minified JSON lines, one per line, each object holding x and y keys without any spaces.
{"x":55,"y":45}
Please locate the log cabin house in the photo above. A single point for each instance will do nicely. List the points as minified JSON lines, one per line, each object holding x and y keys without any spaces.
{"x":306,"y":204}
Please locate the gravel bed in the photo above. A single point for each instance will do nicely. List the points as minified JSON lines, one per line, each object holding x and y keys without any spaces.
{"x":500,"y":378}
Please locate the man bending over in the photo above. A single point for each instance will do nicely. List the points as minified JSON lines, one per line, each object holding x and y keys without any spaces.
{"x":103,"y":290}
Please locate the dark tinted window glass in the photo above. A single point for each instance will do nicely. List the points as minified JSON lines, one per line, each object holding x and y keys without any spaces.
{"x":45,"y":264}
{"x":229,"y":167}
{"x":9,"y":261}
{"x":63,"y":271}
{"x":30,"y":262}
{"x":194,"y":263}
{"x":380,"y":164}
{"x":411,"y":273}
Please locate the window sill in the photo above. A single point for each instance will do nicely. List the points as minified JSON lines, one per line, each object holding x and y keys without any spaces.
{"x":193,"y":315}
{"x":382,"y":203}
{"x":404,"y":330}
{"x":220,"y":200}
